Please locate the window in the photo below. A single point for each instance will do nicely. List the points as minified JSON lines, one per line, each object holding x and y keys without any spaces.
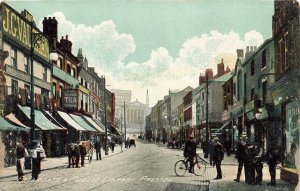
{"x":202,"y":111}
{"x":13,"y":58}
{"x":26,"y":65}
{"x":252,"y":93}
{"x":45,"y":73}
{"x":81,"y":81}
{"x":54,"y":90}
{"x":234,"y":89}
{"x":85,"y":84}
{"x":202,"y":95}
{"x":14,"y":87}
{"x":27,"y":90}
{"x":45,"y":92}
{"x":252,"y":67}
{"x":68,"y":69}
{"x":264,"y":59}
{"x":60,"y":62}
{"x":264,"y":92}
{"x":73,"y":72}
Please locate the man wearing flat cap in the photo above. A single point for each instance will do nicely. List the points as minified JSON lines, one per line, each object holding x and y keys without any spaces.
{"x":240,"y":155}
{"x":190,"y":152}
{"x":218,"y":157}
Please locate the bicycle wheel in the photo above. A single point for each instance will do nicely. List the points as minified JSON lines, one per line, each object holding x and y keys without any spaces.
{"x":199,"y":167}
{"x":180,"y":168}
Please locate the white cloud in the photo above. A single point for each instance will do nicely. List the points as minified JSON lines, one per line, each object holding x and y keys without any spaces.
{"x":106,"y":49}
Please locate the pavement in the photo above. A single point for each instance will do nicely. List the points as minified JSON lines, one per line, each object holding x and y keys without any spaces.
{"x":229,"y":168}
{"x":56,"y":163}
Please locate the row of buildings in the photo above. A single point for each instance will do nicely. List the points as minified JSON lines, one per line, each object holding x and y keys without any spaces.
{"x":71,"y":101}
{"x":259,"y":97}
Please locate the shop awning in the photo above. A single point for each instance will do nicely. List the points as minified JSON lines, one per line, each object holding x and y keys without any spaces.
{"x":82,"y":123}
{"x":41,"y":120}
{"x":101,"y":125}
{"x":48,"y":114}
{"x":224,"y":127}
{"x":66,"y":117}
{"x":12,"y":118}
{"x":115,"y":130}
{"x":94,"y":124}
{"x":4,"y":125}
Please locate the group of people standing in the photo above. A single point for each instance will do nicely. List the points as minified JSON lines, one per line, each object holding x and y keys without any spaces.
{"x":251,"y":157}
{"x":36,"y":152}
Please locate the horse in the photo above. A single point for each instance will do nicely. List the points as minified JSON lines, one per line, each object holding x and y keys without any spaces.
{"x":72,"y":150}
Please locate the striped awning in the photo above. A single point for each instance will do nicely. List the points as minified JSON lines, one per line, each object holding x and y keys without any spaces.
{"x":69,"y":120}
{"x":94,"y":124}
{"x":12,"y":118}
{"x":5,"y":125}
{"x":82,"y":123}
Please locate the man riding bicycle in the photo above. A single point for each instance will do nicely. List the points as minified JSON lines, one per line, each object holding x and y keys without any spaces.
{"x":190,"y":152}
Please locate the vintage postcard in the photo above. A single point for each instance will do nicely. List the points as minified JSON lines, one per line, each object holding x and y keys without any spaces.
{"x":157,"y":95}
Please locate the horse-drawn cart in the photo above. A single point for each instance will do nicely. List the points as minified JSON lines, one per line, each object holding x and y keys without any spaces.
{"x":74,"y":151}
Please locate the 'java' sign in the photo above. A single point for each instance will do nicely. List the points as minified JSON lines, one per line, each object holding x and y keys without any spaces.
{"x":18,"y":29}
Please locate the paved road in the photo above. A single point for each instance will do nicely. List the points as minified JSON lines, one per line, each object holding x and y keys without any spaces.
{"x":146,"y":167}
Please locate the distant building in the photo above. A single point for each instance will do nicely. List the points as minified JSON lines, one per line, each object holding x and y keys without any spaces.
{"x":135,"y":112}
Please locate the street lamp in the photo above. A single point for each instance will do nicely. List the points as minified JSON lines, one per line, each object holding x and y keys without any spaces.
{"x":36,"y":40}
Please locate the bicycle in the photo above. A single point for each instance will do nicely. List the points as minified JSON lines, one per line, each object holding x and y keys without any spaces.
{"x":182,"y":166}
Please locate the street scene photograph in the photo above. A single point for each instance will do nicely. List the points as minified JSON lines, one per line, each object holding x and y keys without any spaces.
{"x":149,"y":95}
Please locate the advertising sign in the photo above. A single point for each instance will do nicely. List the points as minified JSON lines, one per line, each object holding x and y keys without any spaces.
{"x":19,"y":30}
{"x":70,"y":99}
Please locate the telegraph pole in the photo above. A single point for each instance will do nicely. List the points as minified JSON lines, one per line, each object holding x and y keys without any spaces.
{"x":124,"y":120}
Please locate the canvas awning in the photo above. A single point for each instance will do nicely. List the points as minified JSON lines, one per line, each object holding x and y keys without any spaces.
{"x":115,"y":130}
{"x":52,"y":119}
{"x":94,"y":124}
{"x":101,"y":125}
{"x":223,"y":127}
{"x":5,"y":125}
{"x":41,"y":120}
{"x":12,"y":118}
{"x":82,"y":123}
{"x":69,"y":120}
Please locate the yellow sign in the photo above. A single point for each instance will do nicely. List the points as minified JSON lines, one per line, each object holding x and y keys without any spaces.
{"x":84,"y":90}
{"x":18,"y":29}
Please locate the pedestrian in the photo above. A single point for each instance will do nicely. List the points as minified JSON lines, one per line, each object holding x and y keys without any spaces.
{"x":21,"y":153}
{"x":97,"y":146}
{"x":190,"y":152}
{"x":218,"y":157}
{"x":250,"y":163}
{"x":34,"y":161}
{"x":127,"y":143}
{"x":258,"y":163}
{"x":112,"y":144}
{"x":272,"y":157}
{"x":210,"y":149}
{"x":40,"y":155}
{"x":240,"y":156}
{"x":82,"y":153}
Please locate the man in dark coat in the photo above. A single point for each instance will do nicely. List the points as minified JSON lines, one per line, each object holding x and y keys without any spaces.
{"x":250,"y":163}
{"x":190,"y":152}
{"x":218,"y":157}
{"x":240,"y":156}
{"x":258,"y":164}
{"x":272,"y":157}
{"x":97,"y":146}
{"x":82,"y":153}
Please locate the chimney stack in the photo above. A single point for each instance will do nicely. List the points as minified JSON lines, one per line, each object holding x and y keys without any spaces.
{"x":66,"y":44}
{"x":221,"y":70}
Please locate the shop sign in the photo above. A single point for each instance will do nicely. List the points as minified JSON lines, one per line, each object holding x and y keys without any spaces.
{"x":236,"y":112}
{"x":84,"y":90}
{"x":293,"y":127}
{"x":70,"y":99}
{"x":19,"y":29}
{"x":11,"y":71}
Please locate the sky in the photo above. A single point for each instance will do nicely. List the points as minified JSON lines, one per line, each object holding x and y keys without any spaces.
{"x":156,"y":44}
